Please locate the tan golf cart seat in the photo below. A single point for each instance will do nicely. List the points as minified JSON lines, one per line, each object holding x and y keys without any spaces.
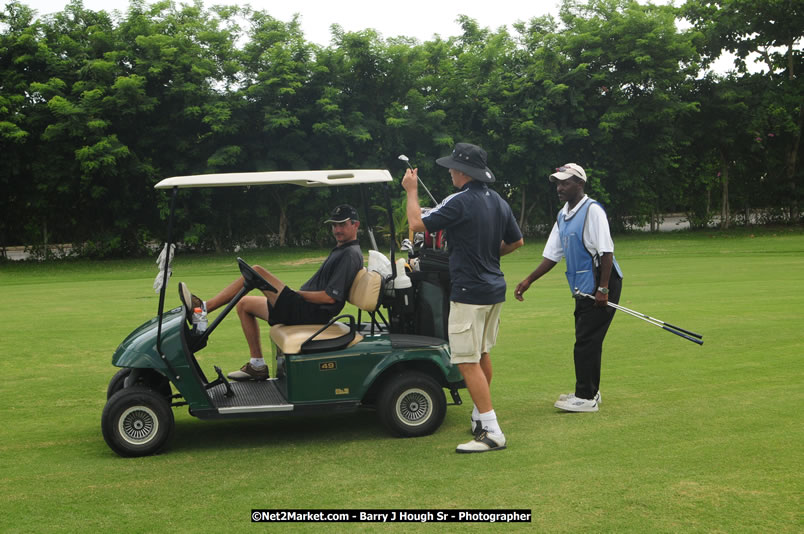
{"x":365,"y":294}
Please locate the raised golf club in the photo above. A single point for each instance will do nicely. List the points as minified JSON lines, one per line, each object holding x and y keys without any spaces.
{"x":686,"y":334}
{"x":407,"y":160}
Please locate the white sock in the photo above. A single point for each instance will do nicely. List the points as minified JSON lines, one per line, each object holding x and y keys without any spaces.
{"x":257,"y":362}
{"x":489,"y":422}
{"x":475,"y":414}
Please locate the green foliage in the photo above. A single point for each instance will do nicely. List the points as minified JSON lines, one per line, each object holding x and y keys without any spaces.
{"x":400,"y":219}
{"x":95,"y":108}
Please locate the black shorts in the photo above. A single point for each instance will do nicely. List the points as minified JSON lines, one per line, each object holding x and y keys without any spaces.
{"x":291,"y":308}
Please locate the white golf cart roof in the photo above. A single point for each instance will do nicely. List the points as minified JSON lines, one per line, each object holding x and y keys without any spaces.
{"x":302,"y":178}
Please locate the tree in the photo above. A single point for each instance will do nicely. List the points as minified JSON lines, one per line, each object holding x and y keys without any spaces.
{"x":770,"y":31}
{"x":21,"y":62}
{"x":631,"y":77}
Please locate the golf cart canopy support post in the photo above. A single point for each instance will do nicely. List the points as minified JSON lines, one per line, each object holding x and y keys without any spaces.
{"x":164,"y":284}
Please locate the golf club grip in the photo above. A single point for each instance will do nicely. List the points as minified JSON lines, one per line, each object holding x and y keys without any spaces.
{"x":685,"y":336}
{"x":693,"y":334}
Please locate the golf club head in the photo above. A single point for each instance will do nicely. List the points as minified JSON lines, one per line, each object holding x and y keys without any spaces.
{"x":406,"y":160}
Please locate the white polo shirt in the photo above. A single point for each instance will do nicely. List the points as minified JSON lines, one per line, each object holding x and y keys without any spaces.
{"x":596,"y":233}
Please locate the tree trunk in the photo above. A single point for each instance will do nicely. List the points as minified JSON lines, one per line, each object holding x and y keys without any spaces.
{"x":792,"y":155}
{"x":45,"y":249}
{"x":522,"y":209}
{"x":724,"y":205}
{"x":790,"y":169}
{"x":283,"y":226}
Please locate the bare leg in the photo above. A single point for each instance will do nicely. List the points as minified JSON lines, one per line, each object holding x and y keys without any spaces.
{"x":477,"y":384}
{"x":248,"y":309}
{"x":485,"y":365}
{"x":229,"y":292}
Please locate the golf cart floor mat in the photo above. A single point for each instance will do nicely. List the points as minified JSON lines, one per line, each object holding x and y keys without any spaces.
{"x":261,"y":396}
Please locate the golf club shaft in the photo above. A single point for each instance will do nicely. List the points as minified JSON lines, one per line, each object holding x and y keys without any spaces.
{"x":693,"y":334}
{"x":647,"y":319}
{"x":428,"y":192}
{"x":422,"y":183}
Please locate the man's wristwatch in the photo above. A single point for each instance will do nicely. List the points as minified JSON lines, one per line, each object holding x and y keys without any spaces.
{"x":603,"y":290}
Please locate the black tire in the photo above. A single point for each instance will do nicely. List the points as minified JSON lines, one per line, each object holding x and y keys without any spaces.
{"x":152,"y":380}
{"x":117,"y":382}
{"x":412,"y":404}
{"x":137,"y":421}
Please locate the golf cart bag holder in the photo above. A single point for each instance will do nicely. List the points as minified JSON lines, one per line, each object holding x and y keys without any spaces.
{"x":433,"y":260}
{"x":427,"y":313}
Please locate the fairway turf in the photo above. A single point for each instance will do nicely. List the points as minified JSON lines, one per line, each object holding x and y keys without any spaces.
{"x":688,"y":438}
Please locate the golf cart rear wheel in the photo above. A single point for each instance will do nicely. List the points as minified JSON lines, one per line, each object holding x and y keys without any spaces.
{"x":412,"y":404}
{"x":152,"y":380}
{"x":137,"y":421}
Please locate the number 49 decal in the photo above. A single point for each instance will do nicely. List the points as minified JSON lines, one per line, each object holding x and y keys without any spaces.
{"x":327,"y":366}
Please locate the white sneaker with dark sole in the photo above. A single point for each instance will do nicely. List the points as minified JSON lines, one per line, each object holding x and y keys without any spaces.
{"x":484,"y":442}
{"x":567,"y":396}
{"x":576,"y":404}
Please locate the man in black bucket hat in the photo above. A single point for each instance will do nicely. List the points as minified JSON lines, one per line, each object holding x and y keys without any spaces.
{"x":481,"y":228}
{"x":317,"y":301}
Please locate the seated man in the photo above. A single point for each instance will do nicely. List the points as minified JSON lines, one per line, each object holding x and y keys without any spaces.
{"x":317,"y":301}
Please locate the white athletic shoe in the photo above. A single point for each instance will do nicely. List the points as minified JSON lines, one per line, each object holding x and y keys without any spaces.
{"x":576,"y":404}
{"x":484,"y":441}
{"x":567,"y":396}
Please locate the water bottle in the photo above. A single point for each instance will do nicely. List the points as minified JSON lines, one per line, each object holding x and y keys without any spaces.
{"x":199,"y":320}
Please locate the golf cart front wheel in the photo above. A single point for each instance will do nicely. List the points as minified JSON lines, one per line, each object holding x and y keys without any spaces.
{"x":412,"y":404}
{"x":136,"y":421}
{"x":149,"y":378}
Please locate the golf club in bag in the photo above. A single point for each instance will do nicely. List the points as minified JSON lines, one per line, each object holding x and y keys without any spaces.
{"x":686,"y":334}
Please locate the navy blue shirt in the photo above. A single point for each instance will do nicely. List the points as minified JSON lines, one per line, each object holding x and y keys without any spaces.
{"x":477,"y":221}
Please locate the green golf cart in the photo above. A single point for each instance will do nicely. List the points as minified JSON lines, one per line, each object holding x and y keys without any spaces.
{"x":395,"y":363}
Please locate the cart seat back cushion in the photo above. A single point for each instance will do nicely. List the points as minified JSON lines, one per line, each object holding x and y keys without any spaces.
{"x":289,"y":338}
{"x":366,"y":290}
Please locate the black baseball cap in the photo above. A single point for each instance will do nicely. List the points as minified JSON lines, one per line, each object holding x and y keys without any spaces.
{"x":343,"y":213}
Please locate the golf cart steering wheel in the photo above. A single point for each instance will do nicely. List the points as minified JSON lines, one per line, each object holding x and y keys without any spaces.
{"x":253,"y":279}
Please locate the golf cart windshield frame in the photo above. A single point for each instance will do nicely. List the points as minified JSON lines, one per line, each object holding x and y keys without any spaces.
{"x":319,"y":178}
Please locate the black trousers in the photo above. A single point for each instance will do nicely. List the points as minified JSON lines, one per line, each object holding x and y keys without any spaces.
{"x":591,"y":325}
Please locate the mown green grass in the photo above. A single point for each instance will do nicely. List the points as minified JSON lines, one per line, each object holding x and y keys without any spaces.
{"x":688,"y":439}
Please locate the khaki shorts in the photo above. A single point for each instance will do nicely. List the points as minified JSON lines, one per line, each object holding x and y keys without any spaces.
{"x":472,"y":330}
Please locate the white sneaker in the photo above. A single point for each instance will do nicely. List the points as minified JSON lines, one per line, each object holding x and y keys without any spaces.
{"x":576,"y":404}
{"x":567,"y":396}
{"x":484,"y":441}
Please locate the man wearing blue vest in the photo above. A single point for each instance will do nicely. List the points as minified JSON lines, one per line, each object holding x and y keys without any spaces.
{"x":581,"y":236}
{"x":481,"y":228}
